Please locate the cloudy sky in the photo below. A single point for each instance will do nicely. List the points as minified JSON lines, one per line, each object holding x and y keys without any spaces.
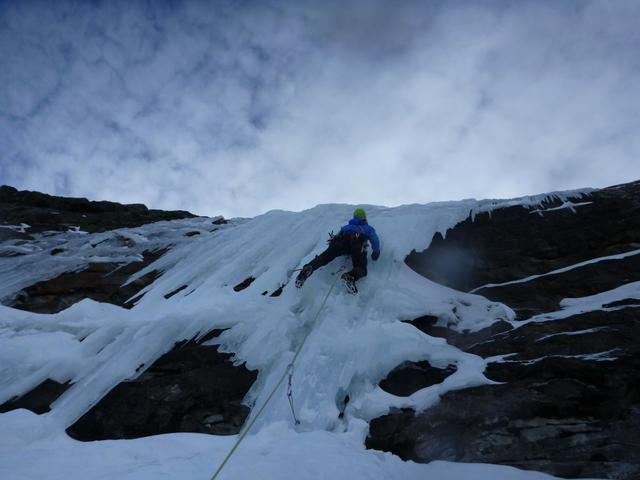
{"x":239,"y":107}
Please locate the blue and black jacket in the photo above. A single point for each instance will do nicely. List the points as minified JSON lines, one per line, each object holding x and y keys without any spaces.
{"x":357,"y":225}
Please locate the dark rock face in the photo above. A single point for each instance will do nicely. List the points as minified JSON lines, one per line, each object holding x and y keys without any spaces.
{"x":37,"y":400}
{"x":277,"y":292}
{"x":559,"y":411}
{"x":461,"y":340}
{"x":102,"y":282}
{"x":543,"y":294}
{"x":570,"y":404}
{"x":192,"y":388}
{"x":394,"y":433}
{"x":513,"y":243}
{"x":176,"y":291}
{"x":244,"y":284}
{"x":410,"y":377}
{"x":46,"y":212}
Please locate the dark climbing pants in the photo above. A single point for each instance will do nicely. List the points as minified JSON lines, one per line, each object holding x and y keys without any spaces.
{"x":344,"y":244}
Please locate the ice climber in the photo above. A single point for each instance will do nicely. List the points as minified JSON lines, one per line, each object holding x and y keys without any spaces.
{"x":351,"y":240}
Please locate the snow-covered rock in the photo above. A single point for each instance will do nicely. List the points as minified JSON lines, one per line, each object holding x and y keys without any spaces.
{"x":569,"y":403}
{"x":234,"y":277}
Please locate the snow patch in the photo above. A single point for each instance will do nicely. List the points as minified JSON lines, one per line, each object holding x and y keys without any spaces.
{"x":276,"y":452}
{"x":22,"y":228}
{"x":565,"y":205}
{"x":591,"y":303}
{"x":577,"y":332}
{"x":568,"y":268}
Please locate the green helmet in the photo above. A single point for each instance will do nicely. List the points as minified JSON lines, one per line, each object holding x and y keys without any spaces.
{"x":360,"y":213}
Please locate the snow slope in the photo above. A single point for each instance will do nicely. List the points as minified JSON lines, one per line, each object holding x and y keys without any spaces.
{"x":353,"y":343}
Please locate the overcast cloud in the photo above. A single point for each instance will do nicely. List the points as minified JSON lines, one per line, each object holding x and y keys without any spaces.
{"x":240,"y":107}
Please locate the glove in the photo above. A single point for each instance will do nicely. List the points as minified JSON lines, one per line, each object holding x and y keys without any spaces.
{"x":375,"y":255}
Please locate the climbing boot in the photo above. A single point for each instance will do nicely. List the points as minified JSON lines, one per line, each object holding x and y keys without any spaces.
{"x":305,"y":273}
{"x":350,"y":282}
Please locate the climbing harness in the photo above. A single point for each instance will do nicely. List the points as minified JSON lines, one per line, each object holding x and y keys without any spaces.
{"x":287,"y":373}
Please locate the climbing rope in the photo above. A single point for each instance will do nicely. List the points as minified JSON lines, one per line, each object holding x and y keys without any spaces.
{"x":288,"y":372}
